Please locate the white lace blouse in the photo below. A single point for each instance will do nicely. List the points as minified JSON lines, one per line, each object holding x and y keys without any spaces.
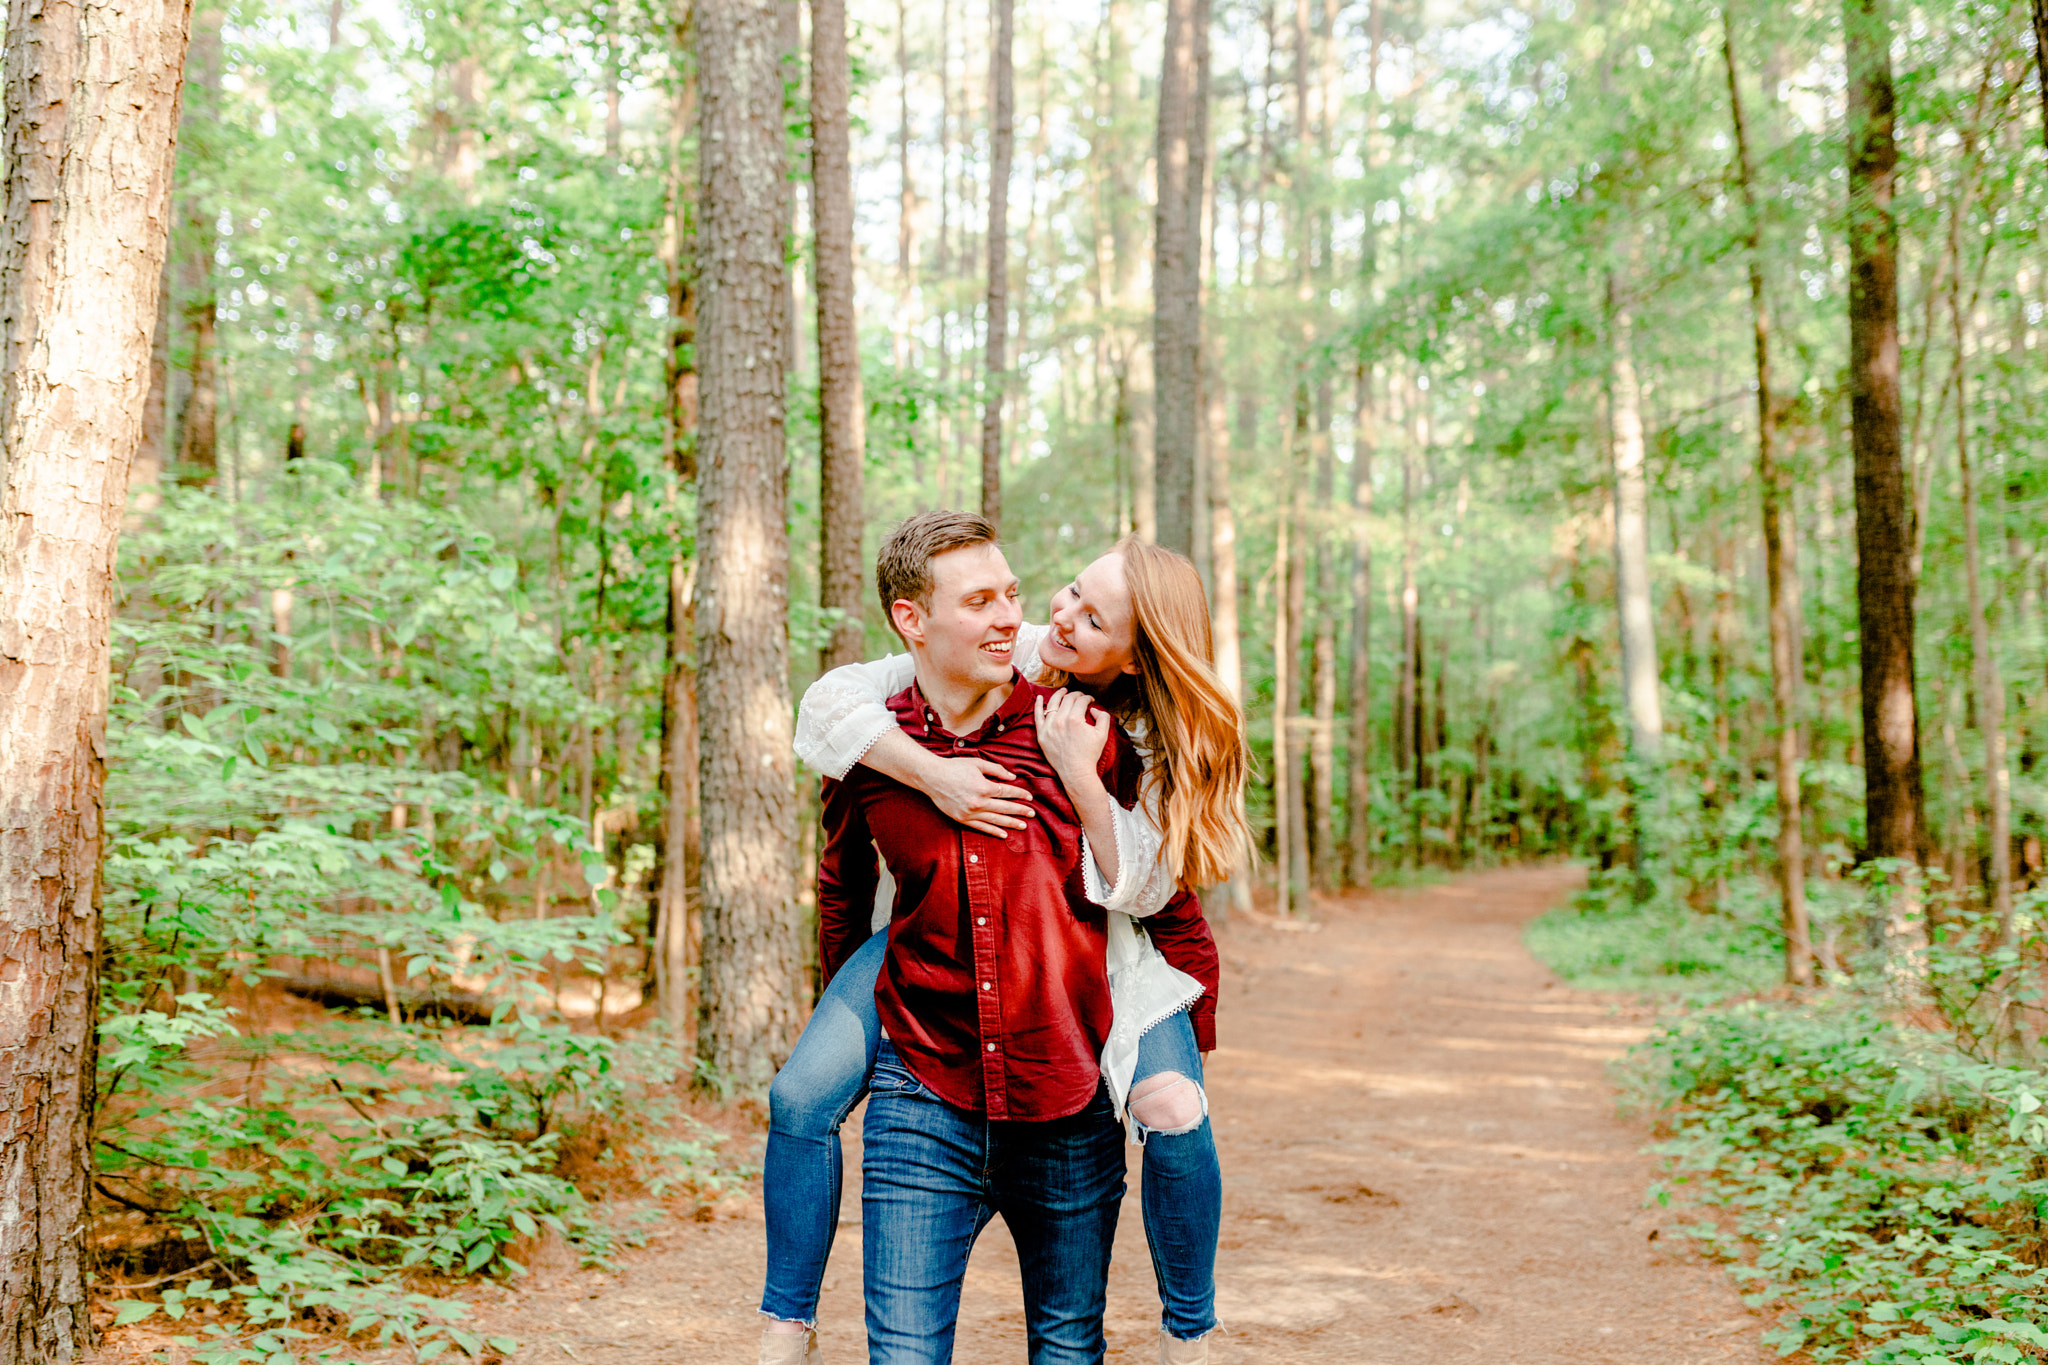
{"x":846,"y":711}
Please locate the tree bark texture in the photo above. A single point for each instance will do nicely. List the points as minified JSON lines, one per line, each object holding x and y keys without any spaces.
{"x":92,"y":91}
{"x":754,"y":986}
{"x":1182,"y":165}
{"x":842,"y":410}
{"x":1632,"y":543}
{"x":1780,"y":571}
{"x":1884,"y":542}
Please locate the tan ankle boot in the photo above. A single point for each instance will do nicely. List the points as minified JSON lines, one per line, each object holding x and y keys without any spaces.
{"x":790,"y":1348}
{"x":1174,"y":1351}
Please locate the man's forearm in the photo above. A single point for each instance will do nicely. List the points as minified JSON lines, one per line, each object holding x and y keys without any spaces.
{"x":899,"y":756}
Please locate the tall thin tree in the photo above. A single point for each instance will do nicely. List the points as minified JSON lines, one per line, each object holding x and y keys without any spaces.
{"x":92,"y":90}
{"x":1990,"y":682}
{"x":1180,"y":161}
{"x":198,"y":416}
{"x":842,"y":410}
{"x":1780,"y":573}
{"x":1892,"y":803}
{"x":754,"y":986}
{"x":1002,"y":145}
{"x":2041,"y":61}
{"x":676,"y":934}
{"x":1358,"y":795}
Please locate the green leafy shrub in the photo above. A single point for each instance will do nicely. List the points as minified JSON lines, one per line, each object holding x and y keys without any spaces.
{"x":332,"y":1174}
{"x":1881,"y":1190}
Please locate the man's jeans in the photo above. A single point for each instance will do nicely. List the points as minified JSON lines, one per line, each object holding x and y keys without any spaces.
{"x":933,"y":1176}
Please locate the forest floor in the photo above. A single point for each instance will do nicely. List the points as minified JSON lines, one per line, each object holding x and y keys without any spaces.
{"x":1423,"y":1164}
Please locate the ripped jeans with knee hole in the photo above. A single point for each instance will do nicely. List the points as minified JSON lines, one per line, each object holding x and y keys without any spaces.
{"x":827,"y":1075}
{"x":1182,"y":1186}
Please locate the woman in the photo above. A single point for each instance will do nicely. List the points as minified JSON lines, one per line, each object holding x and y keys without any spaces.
{"x":1131,"y":635}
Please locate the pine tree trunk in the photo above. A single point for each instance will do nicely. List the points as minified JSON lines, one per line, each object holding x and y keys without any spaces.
{"x":1223,"y":622}
{"x":754,"y":987}
{"x":1780,"y":572}
{"x":1884,"y":579}
{"x":1002,"y":145}
{"x":1181,"y":158}
{"x":198,"y":424}
{"x":1296,"y":697}
{"x":842,"y":410}
{"x":1406,"y":738}
{"x":92,"y":92}
{"x":2041,"y":61}
{"x":1359,"y":795}
{"x":676,"y":936}
{"x":1326,"y":859}
{"x":1632,"y":543}
{"x":1286,"y":774}
{"x":1989,"y":681}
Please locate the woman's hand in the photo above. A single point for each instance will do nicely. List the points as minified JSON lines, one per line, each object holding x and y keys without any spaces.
{"x":1072,"y":733}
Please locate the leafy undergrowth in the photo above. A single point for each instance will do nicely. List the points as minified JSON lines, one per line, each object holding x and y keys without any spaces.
{"x":275,"y":1181}
{"x":335,"y":1204}
{"x":1881,"y":1191}
{"x":1870,"y":1158}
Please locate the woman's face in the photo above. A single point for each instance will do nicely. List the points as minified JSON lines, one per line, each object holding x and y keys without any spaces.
{"x":1091,"y":627}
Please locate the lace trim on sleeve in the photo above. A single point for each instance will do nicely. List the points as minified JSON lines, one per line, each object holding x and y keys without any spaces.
{"x":843,"y":713}
{"x":1143,"y":884}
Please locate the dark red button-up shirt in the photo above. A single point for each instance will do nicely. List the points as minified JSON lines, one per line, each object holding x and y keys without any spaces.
{"x":994,"y":989}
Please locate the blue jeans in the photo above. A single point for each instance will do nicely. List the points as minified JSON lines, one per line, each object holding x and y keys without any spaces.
{"x":802,"y":1170}
{"x":1183,"y":1191}
{"x":933,"y":1176}
{"x":825,"y":1078}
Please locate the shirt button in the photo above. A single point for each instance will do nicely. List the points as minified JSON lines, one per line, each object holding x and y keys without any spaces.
{"x":973,"y":857}
{"x":981,"y":919}
{"x":987,"y":986}
{"x":991,"y":1047}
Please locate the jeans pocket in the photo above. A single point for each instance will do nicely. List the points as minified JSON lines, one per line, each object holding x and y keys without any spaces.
{"x":893,"y":1078}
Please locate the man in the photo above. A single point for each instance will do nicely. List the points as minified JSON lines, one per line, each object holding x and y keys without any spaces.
{"x":987,"y":1096}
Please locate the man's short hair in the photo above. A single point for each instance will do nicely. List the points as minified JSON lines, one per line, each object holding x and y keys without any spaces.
{"x":903,"y":570}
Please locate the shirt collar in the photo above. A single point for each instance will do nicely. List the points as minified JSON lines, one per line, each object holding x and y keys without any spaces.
{"x":923,"y":719}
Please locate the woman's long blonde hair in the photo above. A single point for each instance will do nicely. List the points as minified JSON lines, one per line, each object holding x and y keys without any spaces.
{"x":1193,"y":728}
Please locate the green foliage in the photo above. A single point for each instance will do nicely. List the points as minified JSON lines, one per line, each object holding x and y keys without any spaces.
{"x":336,"y":1170}
{"x":1881,"y":1192}
{"x":1608,"y":940}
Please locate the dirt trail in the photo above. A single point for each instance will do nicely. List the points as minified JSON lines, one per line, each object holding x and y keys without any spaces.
{"x":1422,"y":1164}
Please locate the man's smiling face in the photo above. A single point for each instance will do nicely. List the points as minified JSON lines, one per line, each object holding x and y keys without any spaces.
{"x":970,"y":633}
